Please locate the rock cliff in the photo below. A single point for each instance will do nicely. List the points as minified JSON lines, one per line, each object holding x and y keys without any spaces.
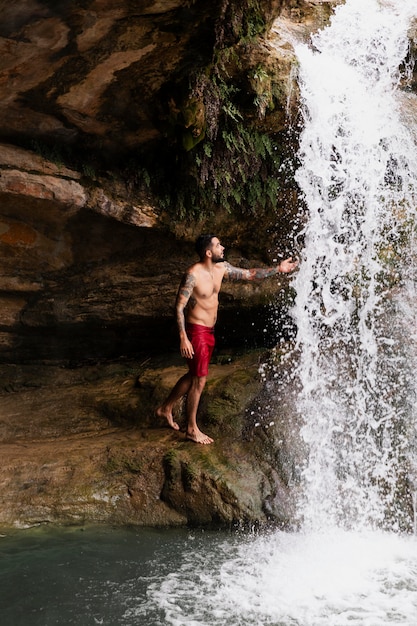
{"x":99,"y":102}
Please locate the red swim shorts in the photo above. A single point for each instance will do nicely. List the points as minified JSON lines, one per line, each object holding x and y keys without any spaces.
{"x":203,"y":341}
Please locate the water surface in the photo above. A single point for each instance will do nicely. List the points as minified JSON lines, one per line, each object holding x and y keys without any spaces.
{"x":142,"y":577}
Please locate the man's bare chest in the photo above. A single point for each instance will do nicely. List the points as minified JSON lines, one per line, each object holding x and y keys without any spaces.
{"x":207,"y":288}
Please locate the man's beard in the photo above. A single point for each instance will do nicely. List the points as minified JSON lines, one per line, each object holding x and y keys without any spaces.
{"x":217,"y":258}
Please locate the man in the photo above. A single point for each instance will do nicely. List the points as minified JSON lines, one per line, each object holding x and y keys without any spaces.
{"x":196,"y":309}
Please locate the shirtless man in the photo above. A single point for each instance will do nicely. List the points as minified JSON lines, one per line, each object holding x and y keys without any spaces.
{"x":196,"y":309}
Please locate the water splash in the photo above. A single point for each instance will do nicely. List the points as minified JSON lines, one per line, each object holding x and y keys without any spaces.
{"x":355,"y":288}
{"x":335,"y":579}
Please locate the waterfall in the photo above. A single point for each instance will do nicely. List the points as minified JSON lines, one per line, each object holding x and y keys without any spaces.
{"x":356,"y":303}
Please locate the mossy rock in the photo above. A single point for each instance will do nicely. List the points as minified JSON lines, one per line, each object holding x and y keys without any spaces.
{"x":227,"y":398}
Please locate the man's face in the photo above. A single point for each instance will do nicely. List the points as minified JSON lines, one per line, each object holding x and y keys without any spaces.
{"x":217,"y":251}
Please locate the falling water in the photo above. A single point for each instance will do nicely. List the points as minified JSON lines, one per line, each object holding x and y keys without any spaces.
{"x":356,"y":302}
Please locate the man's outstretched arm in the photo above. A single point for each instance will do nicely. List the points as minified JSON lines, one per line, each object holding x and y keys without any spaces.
{"x":259,"y":273}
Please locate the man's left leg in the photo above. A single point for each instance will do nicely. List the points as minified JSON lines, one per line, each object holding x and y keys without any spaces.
{"x":193,"y":400}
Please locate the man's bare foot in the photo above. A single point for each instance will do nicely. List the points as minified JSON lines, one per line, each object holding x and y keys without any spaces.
{"x":159,"y":412}
{"x":199,"y":437}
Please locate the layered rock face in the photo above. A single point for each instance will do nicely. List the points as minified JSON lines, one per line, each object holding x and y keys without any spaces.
{"x":90,"y":264}
{"x":86,"y":275}
{"x":98,"y":71}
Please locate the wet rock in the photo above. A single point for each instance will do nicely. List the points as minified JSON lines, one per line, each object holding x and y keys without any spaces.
{"x":82,"y":446}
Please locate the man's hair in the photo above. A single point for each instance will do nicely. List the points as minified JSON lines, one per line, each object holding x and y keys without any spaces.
{"x":202,"y":244}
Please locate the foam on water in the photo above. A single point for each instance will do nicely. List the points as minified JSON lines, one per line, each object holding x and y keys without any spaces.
{"x":316,"y":579}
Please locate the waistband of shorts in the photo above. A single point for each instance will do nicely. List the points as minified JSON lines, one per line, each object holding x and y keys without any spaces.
{"x":199,"y":328}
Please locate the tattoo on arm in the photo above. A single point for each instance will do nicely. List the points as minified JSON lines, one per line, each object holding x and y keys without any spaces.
{"x":186,"y":287}
{"x":237,"y":273}
{"x":261,"y":273}
{"x":183,"y":297}
{"x":180,"y":321}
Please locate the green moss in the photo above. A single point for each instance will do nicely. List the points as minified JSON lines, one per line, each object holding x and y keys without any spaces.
{"x":207,"y":460}
{"x":227,"y":398}
{"x":217,"y":156}
{"x":177,"y":468}
{"x":58,"y":154}
{"x":189,"y":473}
{"x":121,"y":462}
{"x":170,"y":459}
{"x":242,"y":22}
{"x":234,"y":171}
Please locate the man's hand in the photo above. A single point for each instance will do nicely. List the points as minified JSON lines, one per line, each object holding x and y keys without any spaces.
{"x":186,"y":348}
{"x":287,"y":266}
{"x":259,"y":273}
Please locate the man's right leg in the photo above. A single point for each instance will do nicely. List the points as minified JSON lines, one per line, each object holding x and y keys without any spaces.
{"x":179,"y":390}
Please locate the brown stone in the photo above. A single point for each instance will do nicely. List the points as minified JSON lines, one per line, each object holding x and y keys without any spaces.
{"x":82,"y":446}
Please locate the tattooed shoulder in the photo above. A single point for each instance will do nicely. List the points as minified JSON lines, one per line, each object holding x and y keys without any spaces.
{"x":187,"y":284}
{"x":234,"y":273}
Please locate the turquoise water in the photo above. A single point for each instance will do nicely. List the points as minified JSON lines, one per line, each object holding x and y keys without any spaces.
{"x":138,"y":577}
{"x":85,"y":576}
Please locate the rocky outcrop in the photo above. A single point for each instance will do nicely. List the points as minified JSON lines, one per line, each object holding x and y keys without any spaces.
{"x":83,"y":446}
{"x":44,"y":252}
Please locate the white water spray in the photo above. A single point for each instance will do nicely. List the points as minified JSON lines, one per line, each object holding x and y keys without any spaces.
{"x":356,"y":300}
